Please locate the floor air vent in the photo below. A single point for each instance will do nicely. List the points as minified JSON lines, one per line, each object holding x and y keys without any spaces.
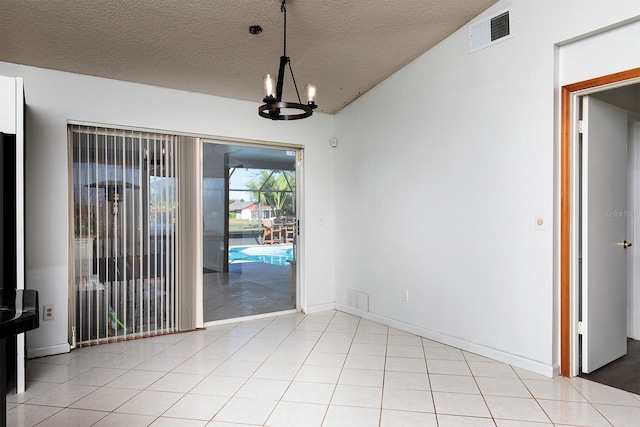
{"x":490,"y":31}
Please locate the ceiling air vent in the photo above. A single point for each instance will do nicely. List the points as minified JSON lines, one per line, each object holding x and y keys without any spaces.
{"x":490,"y":31}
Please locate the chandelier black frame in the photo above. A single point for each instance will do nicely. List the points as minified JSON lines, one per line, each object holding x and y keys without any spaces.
{"x":273,"y":104}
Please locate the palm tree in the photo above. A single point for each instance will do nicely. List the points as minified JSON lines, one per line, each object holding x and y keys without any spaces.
{"x":275,"y":189}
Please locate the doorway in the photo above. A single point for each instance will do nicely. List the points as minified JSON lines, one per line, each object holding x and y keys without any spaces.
{"x":620,"y":90}
{"x":607,"y":147}
{"x":250,"y":229}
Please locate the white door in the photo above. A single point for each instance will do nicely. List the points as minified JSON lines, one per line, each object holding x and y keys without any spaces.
{"x":604,"y":233}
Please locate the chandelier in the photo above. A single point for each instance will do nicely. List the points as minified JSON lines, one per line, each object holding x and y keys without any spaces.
{"x":274,"y":107}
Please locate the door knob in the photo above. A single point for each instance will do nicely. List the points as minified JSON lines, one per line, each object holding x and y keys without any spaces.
{"x":624,"y":244}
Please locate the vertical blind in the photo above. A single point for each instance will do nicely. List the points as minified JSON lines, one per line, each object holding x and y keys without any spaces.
{"x":125,"y":234}
{"x":189,"y":234}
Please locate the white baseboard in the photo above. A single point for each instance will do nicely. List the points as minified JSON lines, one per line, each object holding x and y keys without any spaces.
{"x":319,"y":308}
{"x":491,"y":353}
{"x":48,"y":351}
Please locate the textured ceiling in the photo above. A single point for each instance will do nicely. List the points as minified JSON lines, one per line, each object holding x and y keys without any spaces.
{"x":345,"y":47}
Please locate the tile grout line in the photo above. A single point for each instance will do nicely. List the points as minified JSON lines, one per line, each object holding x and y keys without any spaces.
{"x":250,"y":376}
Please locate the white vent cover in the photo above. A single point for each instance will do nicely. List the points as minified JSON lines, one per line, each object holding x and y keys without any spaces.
{"x":358,"y":300}
{"x":490,"y":31}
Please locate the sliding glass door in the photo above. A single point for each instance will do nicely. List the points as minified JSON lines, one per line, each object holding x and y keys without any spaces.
{"x":168,"y":232}
{"x":250,"y":229}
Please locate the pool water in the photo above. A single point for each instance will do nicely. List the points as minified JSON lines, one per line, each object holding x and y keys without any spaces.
{"x":266,"y":254}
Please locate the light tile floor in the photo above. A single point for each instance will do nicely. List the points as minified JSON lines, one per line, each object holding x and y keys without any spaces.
{"x":325,"y":369}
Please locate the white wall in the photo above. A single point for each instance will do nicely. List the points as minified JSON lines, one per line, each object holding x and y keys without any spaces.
{"x":469,"y":141}
{"x":54,"y":97}
{"x":7,"y":105}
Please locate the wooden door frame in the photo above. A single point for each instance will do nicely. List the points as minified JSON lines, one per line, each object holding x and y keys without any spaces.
{"x":566,"y":131}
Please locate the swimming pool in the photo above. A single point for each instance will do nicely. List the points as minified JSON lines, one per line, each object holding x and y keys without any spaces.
{"x":268,"y":254}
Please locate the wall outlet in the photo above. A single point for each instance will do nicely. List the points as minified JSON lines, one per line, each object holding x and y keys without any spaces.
{"x":404,"y":296}
{"x":48,"y":312}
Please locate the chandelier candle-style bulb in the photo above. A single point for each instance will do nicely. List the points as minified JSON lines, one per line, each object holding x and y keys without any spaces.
{"x":312,"y":93}
{"x":269,"y":86}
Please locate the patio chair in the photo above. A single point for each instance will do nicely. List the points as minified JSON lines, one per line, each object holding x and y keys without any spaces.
{"x":289,"y":232}
{"x":270,"y":233}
